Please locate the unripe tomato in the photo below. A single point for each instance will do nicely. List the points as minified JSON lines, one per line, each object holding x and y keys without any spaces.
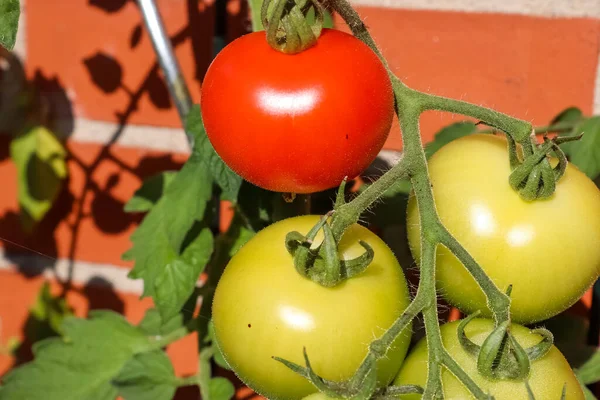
{"x":547,"y":249}
{"x":297,"y":123}
{"x":547,"y":376}
{"x":318,"y":396}
{"x":263,"y":308}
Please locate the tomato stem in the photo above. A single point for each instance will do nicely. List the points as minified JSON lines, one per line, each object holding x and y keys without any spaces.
{"x":410,"y":104}
{"x":348,"y":213}
{"x":161,"y":341}
{"x":287,"y":28}
{"x":559,"y":127}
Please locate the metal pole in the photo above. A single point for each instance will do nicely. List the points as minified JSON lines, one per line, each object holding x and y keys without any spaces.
{"x":166,"y":58}
{"x":175,"y":82}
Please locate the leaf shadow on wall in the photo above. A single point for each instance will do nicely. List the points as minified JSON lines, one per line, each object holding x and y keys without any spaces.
{"x":50,"y":250}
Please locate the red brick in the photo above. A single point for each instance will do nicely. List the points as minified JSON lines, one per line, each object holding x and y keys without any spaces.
{"x":18,"y":289}
{"x":61,"y":34}
{"x":104,"y":228}
{"x":529,"y":67}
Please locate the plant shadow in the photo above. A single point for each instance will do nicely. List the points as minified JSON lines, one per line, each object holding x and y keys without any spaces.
{"x":51,"y":249}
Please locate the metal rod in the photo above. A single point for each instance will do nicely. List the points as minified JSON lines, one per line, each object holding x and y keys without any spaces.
{"x":166,"y":58}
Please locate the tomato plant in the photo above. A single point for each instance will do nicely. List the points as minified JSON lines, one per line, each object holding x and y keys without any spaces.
{"x":317,"y":307}
{"x":547,"y":377}
{"x":264,"y":308}
{"x":275,"y":125}
{"x":545,"y":249}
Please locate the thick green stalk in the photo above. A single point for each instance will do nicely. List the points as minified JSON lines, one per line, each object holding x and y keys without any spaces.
{"x":188,"y":380}
{"x":346,"y":214}
{"x":559,"y":127}
{"x":518,"y":129}
{"x":433,"y":388}
{"x":498,"y":301}
{"x":409,"y":106}
{"x":432,"y":233}
{"x":161,"y":341}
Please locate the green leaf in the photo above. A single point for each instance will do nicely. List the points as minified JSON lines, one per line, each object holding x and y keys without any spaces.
{"x":46,"y":315}
{"x":159,"y":242}
{"x":243,"y":235}
{"x":152,"y":324}
{"x":217,"y":354}
{"x":9,"y":22}
{"x":175,"y":283}
{"x":571,"y":114}
{"x":585,"y":153}
{"x":220,"y":389}
{"x":255,"y":6}
{"x":151,"y":191}
{"x":590,"y":371}
{"x":327,"y":20}
{"x":228,"y":181}
{"x":448,"y":134}
{"x":219,"y":359}
{"x":80,"y":365}
{"x":212,"y":388}
{"x":587,"y":393}
{"x":41,"y":170}
{"x":147,"y":376}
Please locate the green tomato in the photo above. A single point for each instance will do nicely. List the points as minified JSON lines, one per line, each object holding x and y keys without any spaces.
{"x":318,"y":396}
{"x":547,"y":249}
{"x":547,"y":377}
{"x":263,"y":308}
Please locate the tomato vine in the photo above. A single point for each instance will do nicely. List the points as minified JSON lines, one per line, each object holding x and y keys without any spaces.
{"x":533,"y":177}
{"x":174,"y":245}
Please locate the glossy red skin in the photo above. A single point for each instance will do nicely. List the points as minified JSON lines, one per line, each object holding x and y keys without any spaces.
{"x":297,"y":123}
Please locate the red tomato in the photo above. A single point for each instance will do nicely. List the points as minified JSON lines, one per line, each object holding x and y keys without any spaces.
{"x":297,"y":123}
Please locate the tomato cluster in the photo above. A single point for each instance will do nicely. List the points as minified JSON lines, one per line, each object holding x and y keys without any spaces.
{"x":302,"y":124}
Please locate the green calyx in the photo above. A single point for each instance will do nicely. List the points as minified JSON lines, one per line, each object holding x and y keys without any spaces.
{"x":360,"y":387}
{"x":501,"y":356}
{"x":533,"y":177}
{"x":287,"y":27}
{"x":322,"y":263}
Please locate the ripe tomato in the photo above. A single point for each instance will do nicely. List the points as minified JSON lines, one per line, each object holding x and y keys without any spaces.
{"x":547,"y":249}
{"x":297,"y":123}
{"x":263,"y":307}
{"x":547,"y":377}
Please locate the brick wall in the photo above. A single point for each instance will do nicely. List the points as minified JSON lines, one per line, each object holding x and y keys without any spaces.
{"x":530,"y":58}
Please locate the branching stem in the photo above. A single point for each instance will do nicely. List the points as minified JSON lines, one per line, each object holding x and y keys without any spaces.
{"x":409,"y":106}
{"x":161,"y":341}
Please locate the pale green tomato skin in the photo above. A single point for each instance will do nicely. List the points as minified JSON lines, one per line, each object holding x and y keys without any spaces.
{"x":547,"y":377}
{"x":319,"y":396}
{"x":263,"y":308}
{"x":548,"y":250}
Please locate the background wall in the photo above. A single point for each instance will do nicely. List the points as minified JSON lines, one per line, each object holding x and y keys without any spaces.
{"x":94,"y":61}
